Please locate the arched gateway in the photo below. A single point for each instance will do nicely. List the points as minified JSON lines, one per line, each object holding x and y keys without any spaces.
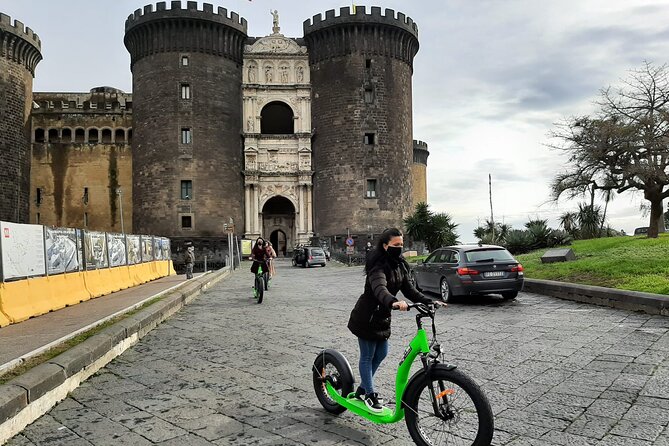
{"x":277,"y":142}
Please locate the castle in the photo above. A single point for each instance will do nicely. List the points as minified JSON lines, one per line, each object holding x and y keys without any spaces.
{"x":288,"y":138}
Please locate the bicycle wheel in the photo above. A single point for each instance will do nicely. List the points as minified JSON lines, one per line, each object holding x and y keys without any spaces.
{"x":259,"y":288}
{"x":332,"y":366}
{"x":463,"y":414}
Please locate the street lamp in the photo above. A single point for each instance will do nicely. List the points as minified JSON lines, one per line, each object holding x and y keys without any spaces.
{"x":119,"y":192}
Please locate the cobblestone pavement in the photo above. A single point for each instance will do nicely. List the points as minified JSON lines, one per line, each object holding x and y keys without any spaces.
{"x":227,"y":371}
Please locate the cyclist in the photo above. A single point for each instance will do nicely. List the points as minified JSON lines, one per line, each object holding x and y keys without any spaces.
{"x":259,"y":257}
{"x":387,"y":274}
{"x":270,"y":261}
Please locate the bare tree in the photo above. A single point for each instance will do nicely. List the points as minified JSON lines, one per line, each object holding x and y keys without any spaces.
{"x":624,"y":146}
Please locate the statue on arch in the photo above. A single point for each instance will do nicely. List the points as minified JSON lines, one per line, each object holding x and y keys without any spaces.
{"x":275,"y":21}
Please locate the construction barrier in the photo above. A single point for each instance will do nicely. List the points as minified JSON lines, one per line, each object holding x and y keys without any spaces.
{"x":23,"y":299}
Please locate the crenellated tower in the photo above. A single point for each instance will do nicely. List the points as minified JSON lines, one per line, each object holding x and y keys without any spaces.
{"x":419,"y":172}
{"x":187,"y":118}
{"x":361,"y":67}
{"x":20,"y":52}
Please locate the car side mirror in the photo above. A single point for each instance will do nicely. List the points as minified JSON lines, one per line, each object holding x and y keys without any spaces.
{"x":419,"y":262}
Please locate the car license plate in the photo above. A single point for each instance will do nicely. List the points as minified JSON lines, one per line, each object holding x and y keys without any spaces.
{"x":494,"y":274}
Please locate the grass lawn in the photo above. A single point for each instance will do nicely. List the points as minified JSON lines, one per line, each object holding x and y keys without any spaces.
{"x":626,"y":263}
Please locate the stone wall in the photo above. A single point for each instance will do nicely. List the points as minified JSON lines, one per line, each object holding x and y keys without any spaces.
{"x":81,"y":157}
{"x":212,"y":45}
{"x":361,"y":68}
{"x":19,"y":55}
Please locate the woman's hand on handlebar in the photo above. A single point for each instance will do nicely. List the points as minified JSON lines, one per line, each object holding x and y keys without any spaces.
{"x":401,"y":305}
{"x":438,"y":303}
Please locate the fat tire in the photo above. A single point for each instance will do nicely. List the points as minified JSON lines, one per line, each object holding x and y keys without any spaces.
{"x":340,"y":363}
{"x":259,"y":288}
{"x":449,"y":295}
{"x":441,"y":372}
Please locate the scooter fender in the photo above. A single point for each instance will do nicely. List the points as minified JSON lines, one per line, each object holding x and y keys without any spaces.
{"x":336,"y":355}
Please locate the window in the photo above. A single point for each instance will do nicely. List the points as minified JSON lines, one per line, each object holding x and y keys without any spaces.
{"x":186,"y":222}
{"x":106,"y":136}
{"x":53,"y":135}
{"x":84,"y":198}
{"x":368,"y":63}
{"x":186,"y":136}
{"x":186,"y":189}
{"x":276,"y":118}
{"x":432,"y":258}
{"x":67,"y":135}
{"x":370,"y":139}
{"x":39,"y":135}
{"x":371,"y":189}
{"x":37,"y":217}
{"x":185,"y":91}
{"x":79,"y":135}
{"x":85,"y":219}
{"x":38,"y":196}
{"x":185,"y":61}
{"x":93,"y":136}
{"x":369,"y":96}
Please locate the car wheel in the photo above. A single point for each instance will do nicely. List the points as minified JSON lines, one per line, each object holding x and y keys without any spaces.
{"x":294,"y":262}
{"x":445,"y":290}
{"x":508,"y":295}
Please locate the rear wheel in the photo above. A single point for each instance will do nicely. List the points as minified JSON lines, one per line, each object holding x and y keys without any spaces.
{"x":260,"y":289}
{"x":461,"y":415}
{"x":508,"y":295}
{"x":294,"y":262}
{"x":331,"y":366}
{"x":445,"y":290}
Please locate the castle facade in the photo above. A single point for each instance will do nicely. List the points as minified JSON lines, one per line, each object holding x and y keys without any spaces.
{"x":280,"y":137}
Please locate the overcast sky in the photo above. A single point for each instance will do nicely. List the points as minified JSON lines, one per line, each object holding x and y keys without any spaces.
{"x":490,"y":80}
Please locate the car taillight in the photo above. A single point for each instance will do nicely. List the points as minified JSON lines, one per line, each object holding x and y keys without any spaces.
{"x":518,"y":269}
{"x":467,"y":272}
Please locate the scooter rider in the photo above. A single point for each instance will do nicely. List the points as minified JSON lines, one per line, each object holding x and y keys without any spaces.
{"x":387,"y":274}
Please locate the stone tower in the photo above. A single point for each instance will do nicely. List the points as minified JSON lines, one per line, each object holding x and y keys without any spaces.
{"x":19,"y":55}
{"x":419,"y":172}
{"x":187,"y":105}
{"x":361,"y":67}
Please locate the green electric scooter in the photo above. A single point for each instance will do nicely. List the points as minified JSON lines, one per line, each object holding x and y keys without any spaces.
{"x":441,"y":404}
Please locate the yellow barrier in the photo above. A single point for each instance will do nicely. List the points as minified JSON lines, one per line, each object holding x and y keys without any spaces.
{"x":23,"y":299}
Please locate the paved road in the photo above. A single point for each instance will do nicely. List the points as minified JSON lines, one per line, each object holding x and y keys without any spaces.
{"x":227,"y":371}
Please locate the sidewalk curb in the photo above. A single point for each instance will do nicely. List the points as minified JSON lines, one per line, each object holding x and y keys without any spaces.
{"x":29,"y":396}
{"x":609,"y":297}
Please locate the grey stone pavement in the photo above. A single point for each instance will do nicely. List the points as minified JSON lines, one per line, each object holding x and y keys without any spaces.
{"x":227,"y":371}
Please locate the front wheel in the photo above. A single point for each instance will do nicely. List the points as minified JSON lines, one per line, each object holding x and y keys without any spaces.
{"x":461,"y":413}
{"x":260,"y":289}
{"x":331,"y":366}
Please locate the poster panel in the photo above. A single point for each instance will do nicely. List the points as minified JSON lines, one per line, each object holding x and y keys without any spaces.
{"x":134,"y":250}
{"x":157,"y":248}
{"x":247,"y":245}
{"x":117,"y":249}
{"x":62,"y":254}
{"x":80,"y":248}
{"x":165,"y":245}
{"x":22,"y":250}
{"x":147,"y":248}
{"x":95,"y":250}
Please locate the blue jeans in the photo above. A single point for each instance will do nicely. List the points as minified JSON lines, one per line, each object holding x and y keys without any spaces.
{"x":372,"y":353}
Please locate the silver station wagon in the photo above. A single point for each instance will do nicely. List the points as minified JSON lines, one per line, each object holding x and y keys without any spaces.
{"x":465,"y":270}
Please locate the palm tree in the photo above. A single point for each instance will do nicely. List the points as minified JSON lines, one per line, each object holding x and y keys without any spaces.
{"x":569,"y":222}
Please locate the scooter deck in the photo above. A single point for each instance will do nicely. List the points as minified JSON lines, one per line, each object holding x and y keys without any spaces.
{"x":351,"y":399}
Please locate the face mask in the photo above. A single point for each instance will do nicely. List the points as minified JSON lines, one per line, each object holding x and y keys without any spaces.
{"x":394,"y":251}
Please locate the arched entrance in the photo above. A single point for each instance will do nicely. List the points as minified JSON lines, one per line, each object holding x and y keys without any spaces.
{"x":278,"y":216}
{"x":278,"y":240}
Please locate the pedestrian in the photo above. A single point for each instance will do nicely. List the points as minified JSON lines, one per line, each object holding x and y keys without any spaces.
{"x":368,"y":249}
{"x":189,"y":260}
{"x":270,"y":261}
{"x":387,"y":273}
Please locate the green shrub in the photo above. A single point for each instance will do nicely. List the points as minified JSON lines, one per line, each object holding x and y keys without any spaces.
{"x":518,"y":241}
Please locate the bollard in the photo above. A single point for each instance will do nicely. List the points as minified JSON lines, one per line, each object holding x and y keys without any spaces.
{"x":205,"y":264}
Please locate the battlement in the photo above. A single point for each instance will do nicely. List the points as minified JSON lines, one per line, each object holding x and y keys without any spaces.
{"x":19,"y":30}
{"x":191,"y":11}
{"x":99,"y":99}
{"x":347,"y":16}
{"x":419,"y":145}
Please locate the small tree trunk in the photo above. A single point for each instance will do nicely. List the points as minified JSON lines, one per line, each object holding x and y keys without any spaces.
{"x":656,"y":215}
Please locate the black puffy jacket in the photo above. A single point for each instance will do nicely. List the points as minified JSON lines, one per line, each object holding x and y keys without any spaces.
{"x":370,"y":318}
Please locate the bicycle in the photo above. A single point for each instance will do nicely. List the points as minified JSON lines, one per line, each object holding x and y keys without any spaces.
{"x":259,"y":284}
{"x":441,"y":403}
